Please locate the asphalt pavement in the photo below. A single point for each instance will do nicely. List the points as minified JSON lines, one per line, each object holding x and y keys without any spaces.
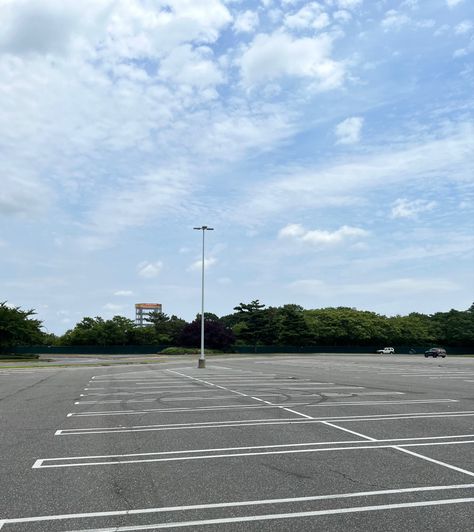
{"x":380,"y":443}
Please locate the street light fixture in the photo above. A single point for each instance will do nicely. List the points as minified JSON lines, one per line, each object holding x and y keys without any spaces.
{"x":202,"y":358}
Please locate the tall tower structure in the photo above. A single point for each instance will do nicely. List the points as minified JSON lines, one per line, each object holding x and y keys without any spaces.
{"x":143,"y":310}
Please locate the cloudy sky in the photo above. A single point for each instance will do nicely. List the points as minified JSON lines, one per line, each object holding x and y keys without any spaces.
{"x":330,"y":144}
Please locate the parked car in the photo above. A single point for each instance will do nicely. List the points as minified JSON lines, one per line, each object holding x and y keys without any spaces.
{"x":386,"y":351}
{"x":435,"y":352}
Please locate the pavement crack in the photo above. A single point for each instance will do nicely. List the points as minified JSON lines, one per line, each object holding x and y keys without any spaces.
{"x":288,"y":472}
{"x":16,"y":392}
{"x":356,"y":481}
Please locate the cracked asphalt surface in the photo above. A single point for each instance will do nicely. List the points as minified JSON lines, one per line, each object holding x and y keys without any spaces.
{"x":252,"y":443}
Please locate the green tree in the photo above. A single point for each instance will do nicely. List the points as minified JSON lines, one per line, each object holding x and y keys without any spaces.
{"x":167,"y":329}
{"x":159,"y":323}
{"x":250,"y":308}
{"x":252,"y":325}
{"x":18,"y":328}
{"x":293,"y":328}
{"x":415,"y":329}
{"x":455,"y":328}
{"x":347,"y":326}
{"x":97,"y":331}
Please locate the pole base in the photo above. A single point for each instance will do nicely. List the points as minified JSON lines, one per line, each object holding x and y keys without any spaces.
{"x":201,"y":363}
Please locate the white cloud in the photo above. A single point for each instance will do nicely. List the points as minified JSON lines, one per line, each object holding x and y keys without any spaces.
{"x":344,"y":4}
{"x":342,"y":16}
{"x":388,"y":288}
{"x":155,"y":28}
{"x":246,"y":22}
{"x":49,"y":26}
{"x":403,"y":208}
{"x":441,"y":30}
{"x":22,"y":192}
{"x":451,"y":244}
{"x":121,"y":293}
{"x":416,"y":161}
{"x":348,"y":131}
{"x":183,"y":65}
{"x":453,"y":3}
{"x":197,"y":265}
{"x":394,"y":20}
{"x":270,"y":57}
{"x":139,"y":199}
{"x":112,"y":307}
{"x":149,"y":269}
{"x":111,"y":28}
{"x":321,"y":237}
{"x":292,"y":230}
{"x":463,"y":27}
{"x":460,"y":52}
{"x":411,"y":4}
{"x":426,"y":23}
{"x":348,"y":4}
{"x":309,"y":16}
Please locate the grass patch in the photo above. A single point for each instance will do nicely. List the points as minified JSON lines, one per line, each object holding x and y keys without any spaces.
{"x":18,"y":358}
{"x":189,"y":351}
{"x":92,"y":364}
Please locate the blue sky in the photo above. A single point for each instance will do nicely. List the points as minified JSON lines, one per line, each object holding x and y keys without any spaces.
{"x":330,"y":144}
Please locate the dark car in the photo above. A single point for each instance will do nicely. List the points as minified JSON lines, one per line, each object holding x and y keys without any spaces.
{"x":435,"y":352}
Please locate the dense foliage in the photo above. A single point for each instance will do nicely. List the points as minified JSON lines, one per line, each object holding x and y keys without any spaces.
{"x":252,"y":324}
{"x":216,"y":334}
{"x":163,"y":330}
{"x":291,"y":325}
{"x":17,"y":327}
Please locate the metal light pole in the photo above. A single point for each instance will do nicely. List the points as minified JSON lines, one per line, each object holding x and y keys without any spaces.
{"x":202,"y":358}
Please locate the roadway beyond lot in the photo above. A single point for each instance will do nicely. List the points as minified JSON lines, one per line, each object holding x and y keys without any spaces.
{"x":264,"y":443}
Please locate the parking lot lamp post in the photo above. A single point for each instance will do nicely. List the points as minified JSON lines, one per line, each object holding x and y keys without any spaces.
{"x":202,"y":358}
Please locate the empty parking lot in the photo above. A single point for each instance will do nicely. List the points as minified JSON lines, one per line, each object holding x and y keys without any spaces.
{"x":249,"y":443}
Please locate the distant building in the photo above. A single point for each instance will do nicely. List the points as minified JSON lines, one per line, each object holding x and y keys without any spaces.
{"x":143,"y":310}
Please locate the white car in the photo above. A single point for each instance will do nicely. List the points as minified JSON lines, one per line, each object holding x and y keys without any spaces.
{"x":386,"y":351}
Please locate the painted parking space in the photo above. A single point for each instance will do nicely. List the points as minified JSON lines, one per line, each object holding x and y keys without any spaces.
{"x":290,"y":448}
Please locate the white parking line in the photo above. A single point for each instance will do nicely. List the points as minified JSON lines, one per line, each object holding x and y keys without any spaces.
{"x":402,"y":448}
{"x":282,"y":407}
{"x":197,"y":410}
{"x":141,"y":378}
{"x":428,"y":459}
{"x":153,"y":392}
{"x":308,"y":447}
{"x":214,"y":398}
{"x":328,"y":423}
{"x":236,"y":504}
{"x":364,"y":403}
{"x":39,"y":463}
{"x":446,"y":377}
{"x":181,"y":386}
{"x":258,"y":422}
{"x":114,"y":401}
{"x":441,"y":376}
{"x":309,"y":388}
{"x":354,"y":394}
{"x":337,"y":511}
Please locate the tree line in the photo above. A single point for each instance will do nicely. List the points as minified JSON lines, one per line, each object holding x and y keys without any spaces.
{"x":251,"y":324}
